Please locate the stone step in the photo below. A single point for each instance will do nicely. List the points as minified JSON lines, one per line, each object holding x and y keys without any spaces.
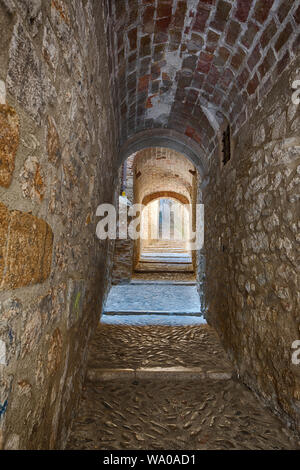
{"x":157,"y":373}
{"x":164,"y":267}
{"x":163,"y":282}
{"x":153,"y":312}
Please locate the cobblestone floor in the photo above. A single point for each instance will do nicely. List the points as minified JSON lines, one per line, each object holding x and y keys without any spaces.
{"x":170,"y":414}
{"x":116,"y":346}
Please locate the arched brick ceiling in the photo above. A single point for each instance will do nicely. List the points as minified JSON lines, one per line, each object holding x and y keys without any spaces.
{"x":184,"y":64}
{"x":160,"y":169}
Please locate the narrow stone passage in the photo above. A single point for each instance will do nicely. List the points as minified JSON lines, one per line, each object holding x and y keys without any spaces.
{"x":211,"y":410}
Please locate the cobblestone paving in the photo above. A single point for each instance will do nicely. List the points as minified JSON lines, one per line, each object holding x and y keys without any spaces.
{"x":170,"y":414}
{"x":174,"y":415}
{"x":116,"y":346}
{"x":158,"y":298}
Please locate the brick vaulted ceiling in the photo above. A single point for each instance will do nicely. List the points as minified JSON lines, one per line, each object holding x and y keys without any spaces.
{"x":185,"y":64}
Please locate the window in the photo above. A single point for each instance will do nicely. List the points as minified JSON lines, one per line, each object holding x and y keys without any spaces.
{"x":226,"y":146}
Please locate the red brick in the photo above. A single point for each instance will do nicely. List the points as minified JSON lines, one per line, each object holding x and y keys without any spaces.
{"x":252,"y":85}
{"x":144,"y":83}
{"x":262,"y":9}
{"x":213,"y":37}
{"x":164,"y":9}
{"x":190,"y":62}
{"x":145,"y":66}
{"x":120,"y":9}
{"x":238,"y":59}
{"x":206,"y":57}
{"x":214,"y":75}
{"x":174,"y":40}
{"x":243,"y":78}
{"x":267,"y":63}
{"x":268,"y":34}
{"x":155,"y":71}
{"x":198,"y":80}
{"x":283,"y":63}
{"x":184,"y":81}
{"x":149,"y":102}
{"x":159,"y":51}
{"x":254,"y":57}
{"x":211,"y":49}
{"x":148,"y":20}
{"x":145,"y":48}
{"x":201,"y":19}
{"x":222,"y":56}
{"x":180,"y":13}
{"x":284,"y":9}
{"x":221,"y":16}
{"x":283,"y":37}
{"x":250,"y":33}
{"x":203,"y":67}
{"x":217,"y":97}
{"x":233,"y":33}
{"x":227,"y":78}
{"x":132,"y":37}
{"x":191,"y":132}
{"x":243,"y":8}
{"x":133,"y":13}
{"x":162,"y":25}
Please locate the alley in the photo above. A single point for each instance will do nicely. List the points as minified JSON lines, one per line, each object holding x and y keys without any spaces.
{"x":149,"y":224}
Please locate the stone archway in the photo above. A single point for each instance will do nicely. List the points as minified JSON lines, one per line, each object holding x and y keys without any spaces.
{"x":169,"y":139}
{"x":165,"y":194}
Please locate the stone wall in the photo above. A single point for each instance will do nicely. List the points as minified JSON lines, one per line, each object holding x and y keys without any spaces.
{"x":252,"y":242}
{"x":123,"y":254}
{"x":57,"y":164}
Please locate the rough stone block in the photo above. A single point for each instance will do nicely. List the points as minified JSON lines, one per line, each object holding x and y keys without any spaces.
{"x":75,"y":300}
{"x":4,"y":223}
{"x":9,"y":142}
{"x":33,"y":185}
{"x":54,"y":351}
{"x":53,"y":142}
{"x":26,"y":249}
{"x":26,"y":77}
